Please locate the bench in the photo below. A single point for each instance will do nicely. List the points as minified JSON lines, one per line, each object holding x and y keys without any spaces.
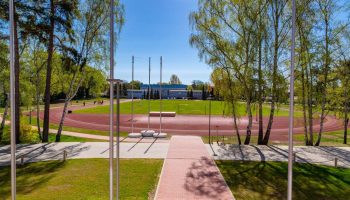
{"x":164,"y":114}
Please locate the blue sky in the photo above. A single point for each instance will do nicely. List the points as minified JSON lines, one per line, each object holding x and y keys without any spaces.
{"x":155,"y":28}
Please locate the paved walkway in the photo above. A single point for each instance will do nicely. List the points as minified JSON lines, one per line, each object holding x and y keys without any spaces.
{"x":304,"y":154}
{"x":189,"y":172}
{"x":75,"y":150}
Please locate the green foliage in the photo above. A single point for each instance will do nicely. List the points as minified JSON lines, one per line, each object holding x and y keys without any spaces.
{"x":27,"y":135}
{"x":174,"y":79}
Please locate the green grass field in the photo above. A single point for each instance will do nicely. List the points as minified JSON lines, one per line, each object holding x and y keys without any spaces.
{"x":334,"y":138}
{"x":184,"y":107}
{"x":268,"y":180}
{"x":73,"y":129}
{"x":86,"y":179}
{"x":52,"y":138}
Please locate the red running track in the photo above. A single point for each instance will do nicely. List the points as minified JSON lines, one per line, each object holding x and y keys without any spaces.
{"x":187,"y":124}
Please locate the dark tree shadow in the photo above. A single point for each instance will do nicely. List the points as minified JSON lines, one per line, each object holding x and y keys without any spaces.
{"x":203,"y":179}
{"x":29,"y":177}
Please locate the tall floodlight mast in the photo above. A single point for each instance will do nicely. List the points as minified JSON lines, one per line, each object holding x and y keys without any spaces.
{"x":291,"y":110}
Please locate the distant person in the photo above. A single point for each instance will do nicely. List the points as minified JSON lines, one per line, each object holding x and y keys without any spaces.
{"x":84,"y":103}
{"x":94,"y":102}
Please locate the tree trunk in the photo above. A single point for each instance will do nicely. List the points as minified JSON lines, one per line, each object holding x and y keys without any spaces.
{"x":261,"y":129}
{"x":38,"y":105}
{"x":60,"y":127}
{"x":346,"y":112}
{"x":250,"y":122}
{"x":324,"y":89}
{"x":346,"y":122}
{"x":303,"y":71}
{"x":48,"y":74}
{"x":17,"y":94}
{"x":304,"y":106}
{"x":233,"y":108}
{"x":310,"y":110}
{"x":2,"y":126}
{"x":70,"y":95}
{"x":274,"y":75}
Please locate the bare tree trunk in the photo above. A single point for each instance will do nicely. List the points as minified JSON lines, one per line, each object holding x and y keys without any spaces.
{"x":274,"y":74}
{"x":64,"y":113}
{"x":233,"y":108}
{"x":250,"y":123}
{"x":236,"y":126}
{"x":48,"y":74}
{"x":2,"y":126}
{"x":17,"y":68}
{"x":309,"y":105}
{"x":37,"y":105}
{"x":346,"y":112}
{"x":324,"y":89}
{"x":301,"y":62}
{"x":70,"y":95}
{"x":261,"y":128}
{"x":304,"y":106}
{"x":346,"y":123}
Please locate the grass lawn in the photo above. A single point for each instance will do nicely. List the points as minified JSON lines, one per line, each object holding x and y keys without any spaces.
{"x":67,"y":138}
{"x":268,"y":180}
{"x":52,"y":138}
{"x":73,"y":129}
{"x":334,"y":138}
{"x":192,"y":107}
{"x":81,"y":179}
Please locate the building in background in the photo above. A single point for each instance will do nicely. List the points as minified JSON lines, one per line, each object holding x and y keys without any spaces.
{"x":169,"y":91}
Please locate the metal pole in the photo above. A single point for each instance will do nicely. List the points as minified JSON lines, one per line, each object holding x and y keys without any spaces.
{"x":149,"y":90}
{"x":291,"y":110}
{"x":132,"y":96}
{"x":13,"y":103}
{"x":160,"y":94}
{"x":111,"y":99}
{"x":209,"y":119}
{"x":118,"y":138}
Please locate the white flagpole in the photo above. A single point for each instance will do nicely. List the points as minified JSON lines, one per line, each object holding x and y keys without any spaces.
{"x":111,"y":99}
{"x":13,"y":103}
{"x":149,"y":90}
{"x":118,"y":137}
{"x":291,"y":110}
{"x":132,"y":96}
{"x":160,"y":95}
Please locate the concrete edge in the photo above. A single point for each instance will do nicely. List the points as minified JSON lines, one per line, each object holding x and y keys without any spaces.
{"x":161,"y":173}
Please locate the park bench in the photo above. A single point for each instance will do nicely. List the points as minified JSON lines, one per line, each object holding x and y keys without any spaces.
{"x":164,"y":114}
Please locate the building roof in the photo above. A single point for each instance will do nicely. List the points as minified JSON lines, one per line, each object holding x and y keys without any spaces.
{"x":165,"y":86}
